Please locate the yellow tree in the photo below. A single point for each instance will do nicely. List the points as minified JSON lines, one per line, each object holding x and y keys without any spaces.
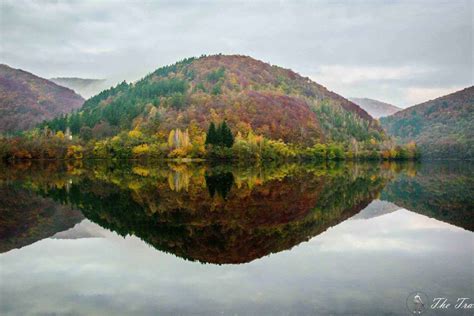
{"x":60,"y":135}
{"x":171,"y":137}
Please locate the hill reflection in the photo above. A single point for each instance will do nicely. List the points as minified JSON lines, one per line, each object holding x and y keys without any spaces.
{"x":442,"y":190}
{"x":223,"y":214}
{"x":220,"y":214}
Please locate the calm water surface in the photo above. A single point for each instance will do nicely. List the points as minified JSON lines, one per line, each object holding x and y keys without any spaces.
{"x":143,"y":239}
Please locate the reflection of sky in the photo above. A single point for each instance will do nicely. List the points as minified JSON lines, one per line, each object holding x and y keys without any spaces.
{"x":363,"y":266}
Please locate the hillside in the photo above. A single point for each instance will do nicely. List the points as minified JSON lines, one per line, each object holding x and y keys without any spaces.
{"x":26,"y":100}
{"x":85,"y":87}
{"x":442,"y":128}
{"x":376,"y":108}
{"x":252,"y":96}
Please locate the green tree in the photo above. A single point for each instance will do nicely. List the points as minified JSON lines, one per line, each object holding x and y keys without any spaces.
{"x":318,"y":152}
{"x":217,"y":89}
{"x":75,"y":123}
{"x":86,"y":133}
{"x":178,"y":101}
{"x":227,"y":139}
{"x":335,"y":152}
{"x":220,"y":136}
{"x":211,"y":136}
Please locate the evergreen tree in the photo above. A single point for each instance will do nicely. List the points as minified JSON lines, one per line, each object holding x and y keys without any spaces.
{"x":211,"y":136}
{"x":220,"y":136}
{"x":226,"y":134}
{"x":75,"y":123}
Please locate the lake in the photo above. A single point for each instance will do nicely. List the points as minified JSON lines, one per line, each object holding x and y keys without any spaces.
{"x":115,"y":238}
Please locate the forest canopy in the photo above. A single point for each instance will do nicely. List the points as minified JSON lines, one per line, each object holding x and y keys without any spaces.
{"x":212,"y":107}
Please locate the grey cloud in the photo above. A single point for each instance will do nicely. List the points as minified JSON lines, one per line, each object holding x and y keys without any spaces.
{"x":127,"y":39}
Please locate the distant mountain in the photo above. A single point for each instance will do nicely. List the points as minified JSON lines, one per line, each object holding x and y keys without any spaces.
{"x":376,"y":208}
{"x":274,"y":102}
{"x":85,"y":87}
{"x":442,"y":128}
{"x":84,"y":229}
{"x":376,"y":108}
{"x":26,"y":99}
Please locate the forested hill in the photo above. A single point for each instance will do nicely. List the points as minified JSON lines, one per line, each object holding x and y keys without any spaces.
{"x":442,"y":128}
{"x":26,"y":100}
{"x":252,"y":96}
{"x":376,"y":108}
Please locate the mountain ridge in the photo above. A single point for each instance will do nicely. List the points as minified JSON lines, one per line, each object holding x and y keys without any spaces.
{"x":441,"y":127}
{"x":86,"y":87}
{"x":376,"y":108}
{"x":27,"y":99}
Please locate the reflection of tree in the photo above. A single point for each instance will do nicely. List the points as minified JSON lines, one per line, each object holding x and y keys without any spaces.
{"x":443,"y":190}
{"x":26,"y":218}
{"x":178,"y":181}
{"x":271,"y":209}
{"x":220,"y":183}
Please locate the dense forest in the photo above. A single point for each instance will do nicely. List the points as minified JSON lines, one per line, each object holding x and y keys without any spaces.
{"x":442,"y":128}
{"x":269,"y":112}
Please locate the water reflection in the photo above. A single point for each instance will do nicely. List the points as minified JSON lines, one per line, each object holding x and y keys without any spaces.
{"x":359,"y":267}
{"x":232,"y":214}
{"x":26,"y":217}
{"x":220,"y":183}
{"x":443,"y":190}
{"x":223,"y":214}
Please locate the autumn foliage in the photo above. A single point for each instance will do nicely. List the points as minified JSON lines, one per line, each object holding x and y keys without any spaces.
{"x":442,"y":128}
{"x":269,"y":113}
{"x":26,"y":100}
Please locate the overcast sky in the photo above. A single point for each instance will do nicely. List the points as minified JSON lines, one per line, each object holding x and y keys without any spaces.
{"x":401,"y":52}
